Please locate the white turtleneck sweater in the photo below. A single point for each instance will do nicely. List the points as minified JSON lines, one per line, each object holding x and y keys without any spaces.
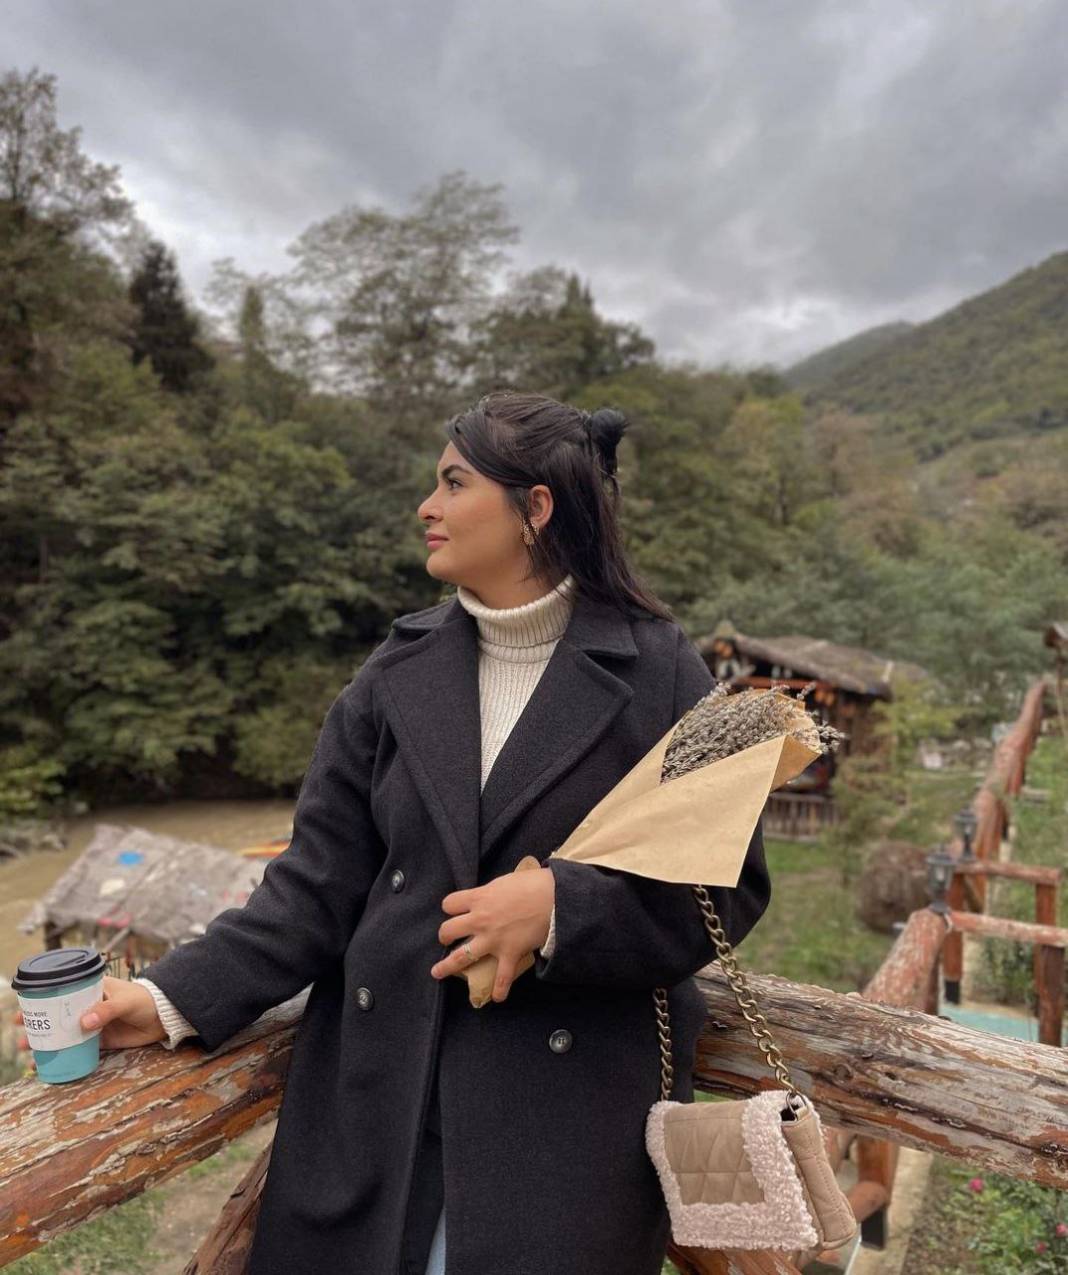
{"x":514,"y":646}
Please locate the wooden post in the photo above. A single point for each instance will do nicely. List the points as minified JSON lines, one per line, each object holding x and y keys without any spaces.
{"x":953,"y":944}
{"x":876,"y":1162}
{"x":226,"y":1249}
{"x":1045,"y":914}
{"x":1049,"y":980}
{"x":931,"y":992}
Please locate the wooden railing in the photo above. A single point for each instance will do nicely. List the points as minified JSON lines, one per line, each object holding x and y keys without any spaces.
{"x":910,"y":974}
{"x":883,"y":1072}
{"x":882,"y":1069}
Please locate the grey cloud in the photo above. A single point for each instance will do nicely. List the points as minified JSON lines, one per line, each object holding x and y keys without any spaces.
{"x":748,"y":181}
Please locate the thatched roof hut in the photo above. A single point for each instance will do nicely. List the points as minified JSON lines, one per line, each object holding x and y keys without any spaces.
{"x":150,"y":890}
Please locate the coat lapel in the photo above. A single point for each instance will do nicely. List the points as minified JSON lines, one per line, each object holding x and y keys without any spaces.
{"x":432,"y":704}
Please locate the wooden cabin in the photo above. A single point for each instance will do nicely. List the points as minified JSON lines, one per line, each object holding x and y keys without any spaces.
{"x":849,"y":681}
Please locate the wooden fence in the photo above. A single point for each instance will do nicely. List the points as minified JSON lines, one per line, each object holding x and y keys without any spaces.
{"x":883,"y":1070}
{"x":888,"y":1073}
{"x":798,"y":816}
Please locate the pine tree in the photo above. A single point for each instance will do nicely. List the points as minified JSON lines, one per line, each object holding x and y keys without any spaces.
{"x":268,"y":389}
{"x":165,"y":332}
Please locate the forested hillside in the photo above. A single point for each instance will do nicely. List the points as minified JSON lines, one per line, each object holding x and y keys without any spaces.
{"x":209,"y":514}
{"x":821,"y":367}
{"x":995,"y":366}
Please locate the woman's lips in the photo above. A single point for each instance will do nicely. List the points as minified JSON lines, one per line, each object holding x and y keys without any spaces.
{"x":432,"y":542}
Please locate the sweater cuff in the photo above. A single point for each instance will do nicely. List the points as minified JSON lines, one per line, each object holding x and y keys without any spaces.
{"x":176,"y":1027}
{"x":546,"y":948}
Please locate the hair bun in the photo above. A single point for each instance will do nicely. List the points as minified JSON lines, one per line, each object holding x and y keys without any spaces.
{"x":606,"y":427}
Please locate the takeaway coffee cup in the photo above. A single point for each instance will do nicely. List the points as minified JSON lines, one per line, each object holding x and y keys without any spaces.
{"x":54,"y":990}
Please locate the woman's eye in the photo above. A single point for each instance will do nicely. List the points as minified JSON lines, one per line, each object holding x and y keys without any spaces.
{"x":453,"y":480}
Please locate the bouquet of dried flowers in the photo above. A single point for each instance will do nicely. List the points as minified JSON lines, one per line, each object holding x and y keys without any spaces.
{"x":687,"y":811}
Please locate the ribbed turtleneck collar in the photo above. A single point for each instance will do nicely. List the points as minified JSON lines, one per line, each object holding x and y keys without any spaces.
{"x":525,"y":633}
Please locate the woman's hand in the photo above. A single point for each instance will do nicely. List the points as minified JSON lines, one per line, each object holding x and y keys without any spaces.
{"x":508,"y":917}
{"x":127,"y":1014}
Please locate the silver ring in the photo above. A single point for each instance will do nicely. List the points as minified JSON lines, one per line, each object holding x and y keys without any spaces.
{"x":467,"y":948}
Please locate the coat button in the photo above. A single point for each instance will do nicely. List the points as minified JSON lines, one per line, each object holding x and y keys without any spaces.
{"x":364,"y":997}
{"x":397,"y":879}
{"x":560,"y":1041}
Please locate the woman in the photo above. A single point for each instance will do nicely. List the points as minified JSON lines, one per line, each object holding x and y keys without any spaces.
{"x":482,"y":730}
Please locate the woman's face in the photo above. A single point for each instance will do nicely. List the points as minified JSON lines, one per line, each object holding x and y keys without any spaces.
{"x":481,"y":545}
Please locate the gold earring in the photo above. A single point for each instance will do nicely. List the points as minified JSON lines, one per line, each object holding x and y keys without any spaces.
{"x":529,"y":534}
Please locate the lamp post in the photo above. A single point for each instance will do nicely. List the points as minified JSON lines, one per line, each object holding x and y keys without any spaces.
{"x":966,"y":821}
{"x":939,"y":875}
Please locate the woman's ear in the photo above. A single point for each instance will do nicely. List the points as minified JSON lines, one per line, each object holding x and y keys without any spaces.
{"x":541,"y":504}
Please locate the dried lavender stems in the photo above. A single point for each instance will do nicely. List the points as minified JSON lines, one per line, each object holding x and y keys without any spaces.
{"x":722,"y":724}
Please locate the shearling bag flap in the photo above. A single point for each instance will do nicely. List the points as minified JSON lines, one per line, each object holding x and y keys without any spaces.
{"x":730,"y":1179}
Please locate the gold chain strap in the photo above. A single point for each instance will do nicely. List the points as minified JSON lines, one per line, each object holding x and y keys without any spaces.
{"x":739,"y":986}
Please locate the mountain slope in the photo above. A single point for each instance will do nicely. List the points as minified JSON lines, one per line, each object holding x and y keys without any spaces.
{"x":994,"y":366}
{"x":833,"y":360}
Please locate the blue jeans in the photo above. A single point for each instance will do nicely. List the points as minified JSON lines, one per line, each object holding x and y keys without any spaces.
{"x":436,"y":1261}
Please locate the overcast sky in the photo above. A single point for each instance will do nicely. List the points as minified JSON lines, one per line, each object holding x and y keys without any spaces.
{"x":748,"y":180}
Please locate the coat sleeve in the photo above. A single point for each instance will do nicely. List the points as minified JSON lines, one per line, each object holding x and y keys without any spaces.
{"x":616,"y":929}
{"x":297,"y":922}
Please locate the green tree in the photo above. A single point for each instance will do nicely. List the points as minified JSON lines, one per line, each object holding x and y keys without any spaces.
{"x":544,"y":334}
{"x":165,"y":332}
{"x":106,"y":492}
{"x":58,"y":212}
{"x":771,"y":468}
{"x":398,"y":295}
{"x":266,"y":388}
{"x":682,"y":530}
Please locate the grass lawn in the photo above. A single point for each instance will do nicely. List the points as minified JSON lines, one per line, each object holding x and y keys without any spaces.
{"x":117,"y":1242}
{"x":810,"y":932}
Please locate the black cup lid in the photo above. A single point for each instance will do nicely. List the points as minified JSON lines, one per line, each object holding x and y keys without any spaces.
{"x":58,"y":967}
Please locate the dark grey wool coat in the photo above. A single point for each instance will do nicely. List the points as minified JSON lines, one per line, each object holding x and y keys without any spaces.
{"x":535,"y":1105}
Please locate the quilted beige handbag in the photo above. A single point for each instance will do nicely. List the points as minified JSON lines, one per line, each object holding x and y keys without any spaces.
{"x":752,"y":1173}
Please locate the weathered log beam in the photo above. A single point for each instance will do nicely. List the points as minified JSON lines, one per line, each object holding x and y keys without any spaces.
{"x":903,"y":977}
{"x":1035,"y":873}
{"x":1004,"y":777}
{"x":68,"y":1152}
{"x":897,"y":1073}
{"x":1003,"y":927}
{"x":692,"y":1261}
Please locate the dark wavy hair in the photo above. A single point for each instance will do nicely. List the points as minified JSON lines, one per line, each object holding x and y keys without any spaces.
{"x":520,"y":440}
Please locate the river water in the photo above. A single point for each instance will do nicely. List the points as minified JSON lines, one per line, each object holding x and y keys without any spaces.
{"x":231,"y":825}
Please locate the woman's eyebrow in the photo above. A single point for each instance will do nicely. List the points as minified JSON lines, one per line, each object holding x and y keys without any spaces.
{"x":449,"y":468}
